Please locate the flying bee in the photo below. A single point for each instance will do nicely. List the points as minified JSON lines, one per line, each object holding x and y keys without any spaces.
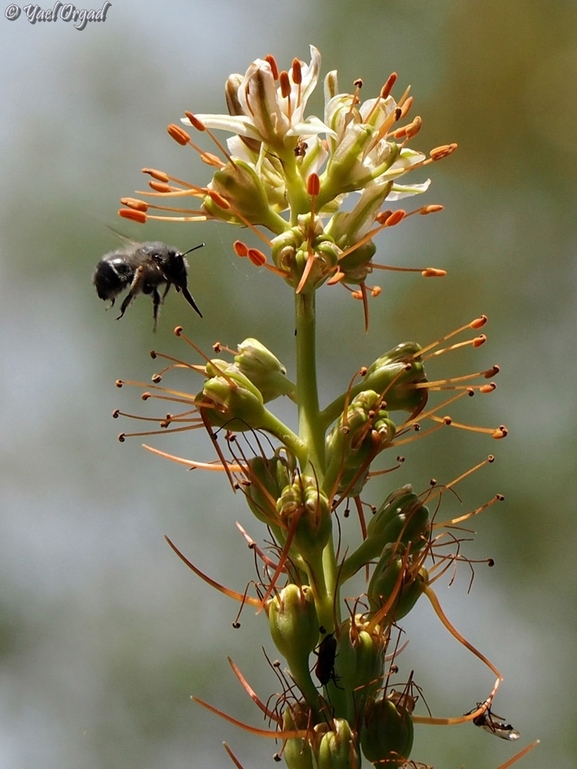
{"x":143,"y":268}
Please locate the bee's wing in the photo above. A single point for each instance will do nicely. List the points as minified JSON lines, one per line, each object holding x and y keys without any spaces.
{"x":125,"y":239}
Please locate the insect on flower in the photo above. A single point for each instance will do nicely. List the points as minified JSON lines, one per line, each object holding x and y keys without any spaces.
{"x":325,"y":665}
{"x":143,"y":268}
{"x":493,"y":723}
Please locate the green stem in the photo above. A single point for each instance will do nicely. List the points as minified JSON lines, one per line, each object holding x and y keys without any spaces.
{"x":311,"y":430}
{"x":312,"y":434}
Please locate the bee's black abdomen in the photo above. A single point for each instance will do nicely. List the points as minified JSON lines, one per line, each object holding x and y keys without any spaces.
{"x":108,"y":281}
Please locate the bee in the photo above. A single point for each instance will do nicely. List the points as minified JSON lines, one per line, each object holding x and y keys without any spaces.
{"x":143,"y":268}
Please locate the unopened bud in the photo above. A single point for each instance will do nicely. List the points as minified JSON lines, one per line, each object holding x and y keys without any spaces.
{"x":263,"y":369}
{"x":387,"y":736}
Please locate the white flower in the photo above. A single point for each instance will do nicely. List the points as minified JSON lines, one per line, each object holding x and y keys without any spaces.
{"x":268,"y":107}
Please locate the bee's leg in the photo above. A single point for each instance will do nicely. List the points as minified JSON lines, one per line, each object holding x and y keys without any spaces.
{"x":165,"y":292}
{"x":188,"y":296}
{"x":156,"y":301}
{"x":135,"y":289}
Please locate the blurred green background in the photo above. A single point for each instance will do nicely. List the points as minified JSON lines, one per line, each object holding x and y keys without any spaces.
{"x":104,"y":634}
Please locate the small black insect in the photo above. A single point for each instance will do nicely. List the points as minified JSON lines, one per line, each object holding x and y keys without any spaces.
{"x":488,"y":721}
{"x":143,"y":268}
{"x":325,"y":665}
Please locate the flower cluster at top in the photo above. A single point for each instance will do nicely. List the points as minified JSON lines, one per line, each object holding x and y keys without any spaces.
{"x":289,"y":174}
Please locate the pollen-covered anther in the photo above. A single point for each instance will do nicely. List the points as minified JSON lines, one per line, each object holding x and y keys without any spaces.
{"x":479,"y":340}
{"x":500,"y":432}
{"x":122,"y":437}
{"x":119,"y":382}
{"x":388,"y":86}
{"x":478,"y":322}
{"x":160,"y":176}
{"x":297,"y":74}
{"x":134,"y":216}
{"x":156,"y":378}
{"x":433,"y":272}
{"x":433,"y":208}
{"x":382,"y":216}
{"x":273,"y":65}
{"x":395,"y":218}
{"x":162,"y":187}
{"x":375,"y":291}
{"x":134,"y":203}
{"x":447,"y":420}
{"x":438,"y":153}
{"x":410,"y":130}
{"x":313,"y":185}
{"x":195,"y":122}
{"x":470,"y":392}
{"x":493,"y":371}
{"x":146,"y":396}
{"x":406,"y":107}
{"x":218,"y":199}
{"x":178,"y":134}
{"x":116,"y":413}
{"x":256,"y":257}
{"x":488,"y":388}
{"x":240,"y":248}
{"x":284,"y":82}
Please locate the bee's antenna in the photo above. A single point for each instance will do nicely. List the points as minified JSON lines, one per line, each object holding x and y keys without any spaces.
{"x":200,"y":245}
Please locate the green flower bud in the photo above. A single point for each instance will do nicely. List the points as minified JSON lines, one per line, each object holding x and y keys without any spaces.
{"x":305,"y":509}
{"x":292,"y":249}
{"x":387,"y":736}
{"x":361,"y":657}
{"x":356,"y":265}
{"x":229,"y":399}
{"x":395,"y":374}
{"x":402,"y":518}
{"x":293,"y":620}
{"x":268,"y":477}
{"x":234,"y":398}
{"x":391,"y":574}
{"x":353,"y":443}
{"x":241,"y":186}
{"x":294,"y":627}
{"x":298,"y":752}
{"x":263,"y":369}
{"x":338,"y":746}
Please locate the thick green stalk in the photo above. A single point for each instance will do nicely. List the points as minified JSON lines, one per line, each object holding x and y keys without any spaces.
{"x":311,"y":430}
{"x":312,"y":434}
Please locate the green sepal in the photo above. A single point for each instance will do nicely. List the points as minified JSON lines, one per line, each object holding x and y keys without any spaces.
{"x":391,"y":574}
{"x":240,"y":185}
{"x":387,"y":734}
{"x":304,"y":509}
{"x":354,"y":442}
{"x":402,"y":518}
{"x":298,"y":752}
{"x":360,"y":658}
{"x":338,"y":747}
{"x":394,"y":377}
{"x":264,"y":370}
{"x":268,"y":477}
{"x":294,"y":628}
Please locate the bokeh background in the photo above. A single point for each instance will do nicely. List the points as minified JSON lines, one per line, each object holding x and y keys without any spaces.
{"x":104,"y":634}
